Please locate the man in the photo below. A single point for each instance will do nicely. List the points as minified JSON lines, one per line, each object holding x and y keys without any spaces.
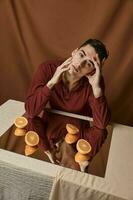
{"x":76,"y":86}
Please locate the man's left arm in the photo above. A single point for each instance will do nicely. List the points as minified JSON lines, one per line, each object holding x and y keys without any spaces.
{"x":100,"y":110}
{"x":97,"y":99}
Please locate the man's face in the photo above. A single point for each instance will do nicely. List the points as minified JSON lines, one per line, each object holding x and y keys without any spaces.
{"x":82,"y":64}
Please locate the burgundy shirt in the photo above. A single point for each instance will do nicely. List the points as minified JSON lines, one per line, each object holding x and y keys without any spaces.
{"x":79,"y":100}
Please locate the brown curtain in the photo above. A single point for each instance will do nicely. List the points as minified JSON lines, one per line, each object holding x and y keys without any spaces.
{"x":33,"y":31}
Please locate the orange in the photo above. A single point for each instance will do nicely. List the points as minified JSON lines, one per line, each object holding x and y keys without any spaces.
{"x":21,"y":122}
{"x":83,"y":146}
{"x":81,"y":157}
{"x":30,"y":150}
{"x":19,"y":132}
{"x":72,"y":129}
{"x":31,"y":138}
{"x":70,"y":138}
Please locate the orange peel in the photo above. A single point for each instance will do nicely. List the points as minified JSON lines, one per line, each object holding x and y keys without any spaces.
{"x":19,"y":132}
{"x":30,"y":150}
{"x":21,"y":122}
{"x":81,"y":157}
{"x":83,"y":146}
{"x":71,"y":138}
{"x":31,"y":138}
{"x":72,"y":129}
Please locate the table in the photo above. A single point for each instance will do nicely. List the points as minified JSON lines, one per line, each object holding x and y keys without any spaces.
{"x":39,"y":179}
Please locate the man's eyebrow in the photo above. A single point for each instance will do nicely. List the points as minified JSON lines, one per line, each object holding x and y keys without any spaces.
{"x":83,"y":52}
{"x":91,"y":62}
{"x":85,"y":55}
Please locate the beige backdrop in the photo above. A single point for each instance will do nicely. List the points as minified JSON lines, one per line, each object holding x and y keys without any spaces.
{"x":32,"y":31}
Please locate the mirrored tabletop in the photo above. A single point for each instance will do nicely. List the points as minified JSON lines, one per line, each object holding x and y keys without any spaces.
{"x":52,"y":130}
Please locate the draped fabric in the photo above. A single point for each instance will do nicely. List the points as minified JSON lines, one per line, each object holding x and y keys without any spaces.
{"x":33,"y":31}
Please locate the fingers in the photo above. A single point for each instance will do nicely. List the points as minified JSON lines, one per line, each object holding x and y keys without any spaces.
{"x":83,"y":165}
{"x":97,"y":59}
{"x":88,"y":76}
{"x":97,"y":65}
{"x":65,"y":68}
{"x":95,"y":62}
{"x":60,"y":70}
{"x":69,"y":59}
{"x":48,"y":153}
{"x":67,"y":62}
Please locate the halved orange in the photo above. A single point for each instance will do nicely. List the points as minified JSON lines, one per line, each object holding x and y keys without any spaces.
{"x":83,"y":146}
{"x":30,"y":150}
{"x":81,"y":157}
{"x":19,"y":132}
{"x":21,"y":122}
{"x":71,"y":138}
{"x":72,"y":129}
{"x":31,"y":138}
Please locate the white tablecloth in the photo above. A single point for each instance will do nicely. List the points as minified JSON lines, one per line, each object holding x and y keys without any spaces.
{"x":71,"y":184}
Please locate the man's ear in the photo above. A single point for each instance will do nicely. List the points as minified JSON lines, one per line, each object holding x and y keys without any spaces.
{"x":74,"y":51}
{"x":103,"y":61}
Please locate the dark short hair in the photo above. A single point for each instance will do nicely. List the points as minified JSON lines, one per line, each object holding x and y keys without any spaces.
{"x":98,"y":46}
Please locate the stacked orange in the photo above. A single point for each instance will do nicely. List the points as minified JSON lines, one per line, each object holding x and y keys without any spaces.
{"x":31,"y":137}
{"x":72,"y":135}
{"x":84,"y":149}
{"x":31,"y":140}
{"x":20,"y":123}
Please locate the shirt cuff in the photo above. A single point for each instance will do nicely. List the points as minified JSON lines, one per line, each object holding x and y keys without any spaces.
{"x":100,"y":99}
{"x":46,"y":91}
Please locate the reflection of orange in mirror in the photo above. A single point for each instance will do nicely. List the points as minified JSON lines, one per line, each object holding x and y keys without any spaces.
{"x":19,"y":132}
{"x":71,"y":138}
{"x":83,"y":146}
{"x":72,"y":129}
{"x":31,"y":138}
{"x":30,"y":150}
{"x":21,"y":122}
{"x":81,"y":157}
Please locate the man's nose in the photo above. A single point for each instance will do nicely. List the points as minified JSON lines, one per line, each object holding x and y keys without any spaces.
{"x":82,"y":63}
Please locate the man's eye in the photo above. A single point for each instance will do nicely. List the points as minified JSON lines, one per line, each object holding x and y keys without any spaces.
{"x":89,"y":64}
{"x":81,"y":55}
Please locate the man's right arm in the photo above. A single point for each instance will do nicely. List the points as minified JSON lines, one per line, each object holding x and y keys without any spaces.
{"x":39,"y":92}
{"x":44,"y":80}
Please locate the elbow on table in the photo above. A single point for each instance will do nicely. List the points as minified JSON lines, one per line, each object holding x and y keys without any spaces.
{"x":103,"y":123}
{"x":29,"y":110}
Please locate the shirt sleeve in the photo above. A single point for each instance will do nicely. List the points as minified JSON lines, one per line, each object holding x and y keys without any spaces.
{"x":39,"y":93}
{"x":100,"y":110}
